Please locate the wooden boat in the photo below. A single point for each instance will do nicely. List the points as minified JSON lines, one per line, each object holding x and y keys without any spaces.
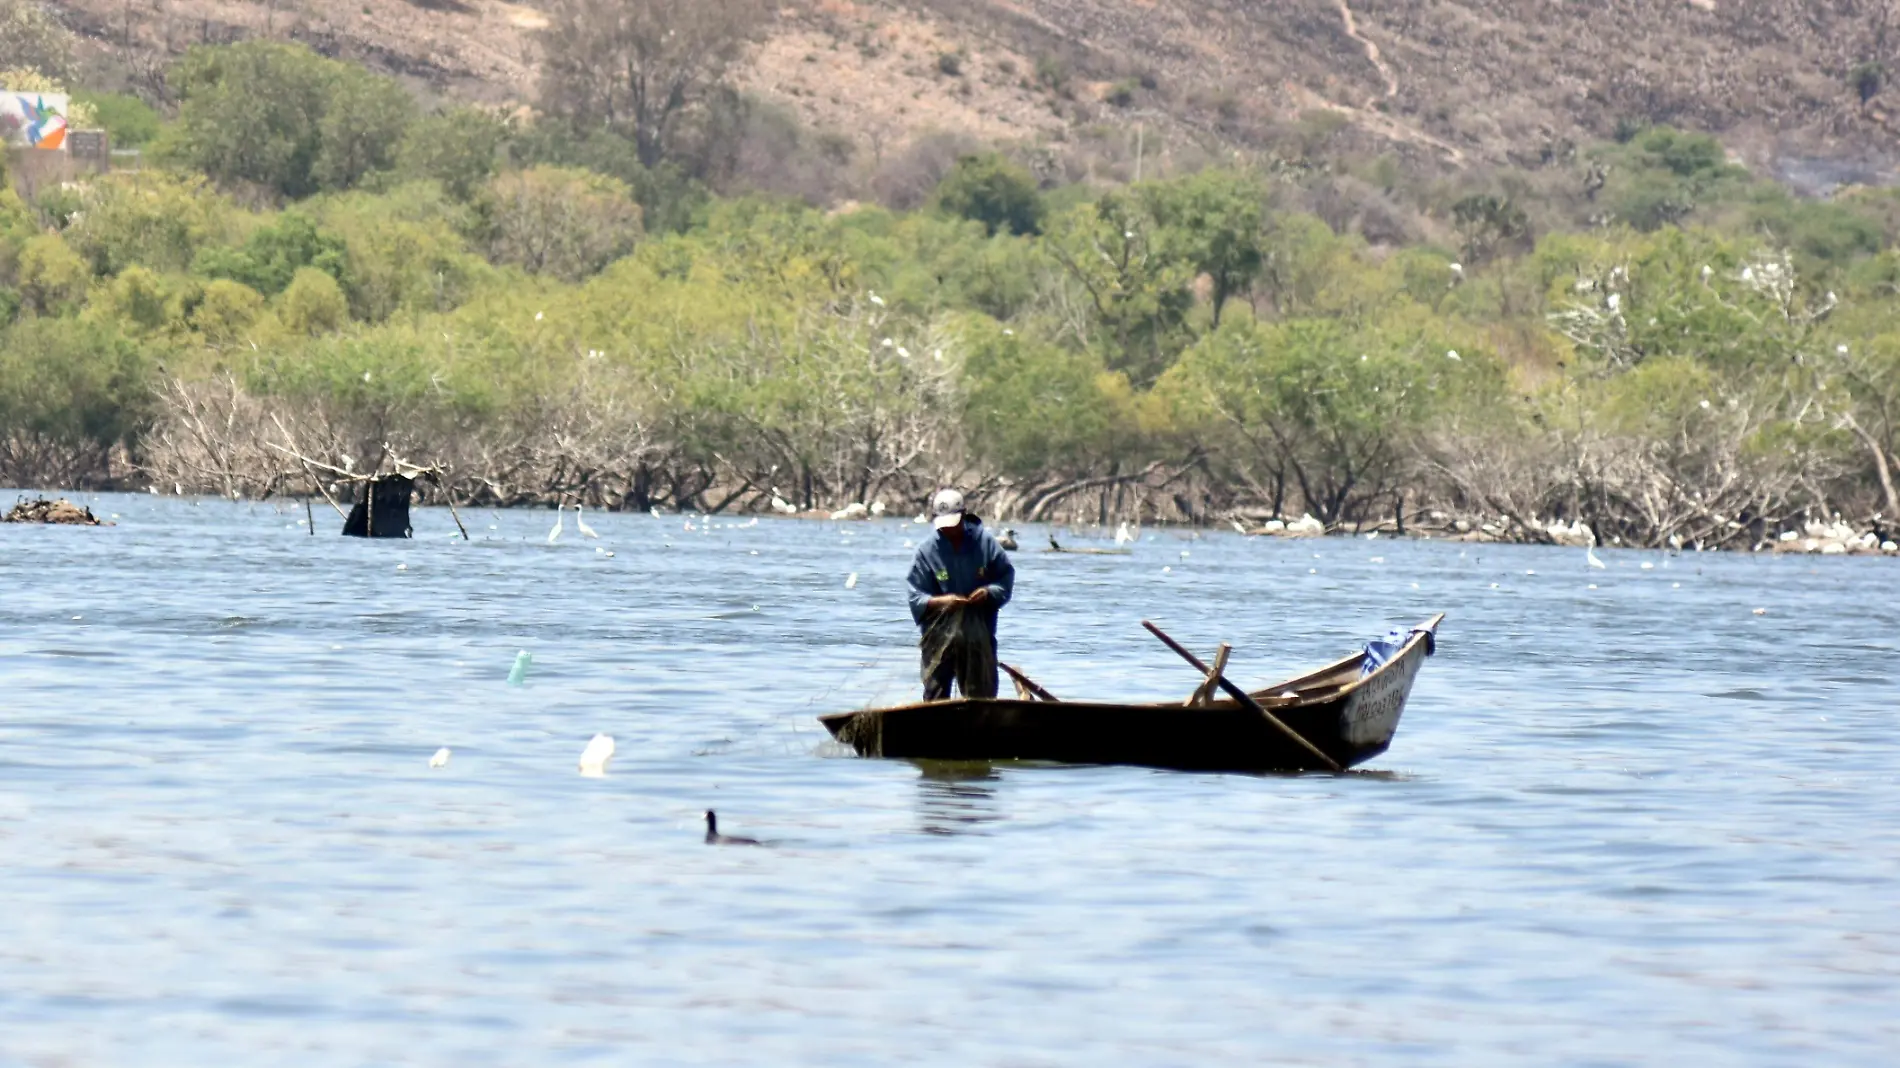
{"x":1347,"y":716}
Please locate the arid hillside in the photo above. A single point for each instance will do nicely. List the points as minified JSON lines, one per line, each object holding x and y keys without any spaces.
{"x":1447,"y":82}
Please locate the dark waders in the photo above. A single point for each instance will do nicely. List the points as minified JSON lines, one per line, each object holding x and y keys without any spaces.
{"x":959,"y":646}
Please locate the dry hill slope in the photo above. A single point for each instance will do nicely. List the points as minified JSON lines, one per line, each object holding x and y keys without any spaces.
{"x":1456,"y":81}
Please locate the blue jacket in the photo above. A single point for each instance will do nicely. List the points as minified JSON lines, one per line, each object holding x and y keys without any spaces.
{"x":939,"y":569}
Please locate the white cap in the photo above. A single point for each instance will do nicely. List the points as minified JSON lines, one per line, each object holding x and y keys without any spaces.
{"x":946,"y":508}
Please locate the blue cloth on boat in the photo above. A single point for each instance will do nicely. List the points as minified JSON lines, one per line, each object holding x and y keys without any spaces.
{"x":1381,"y":650}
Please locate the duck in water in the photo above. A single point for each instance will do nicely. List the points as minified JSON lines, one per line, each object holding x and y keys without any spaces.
{"x":713,"y":837}
{"x":1008,"y":540}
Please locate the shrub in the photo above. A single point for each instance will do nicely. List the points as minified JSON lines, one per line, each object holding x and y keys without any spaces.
{"x":74,"y":385}
{"x":52,"y":277}
{"x":274,"y":254}
{"x":993,"y":191}
{"x":557,"y":221}
{"x":127,"y":120}
{"x":459,"y":148}
{"x":312,"y":304}
{"x":283,"y":117}
{"x":150,"y":218}
{"x":226,"y":310}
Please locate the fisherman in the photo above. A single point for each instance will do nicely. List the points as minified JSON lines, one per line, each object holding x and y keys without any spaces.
{"x":958,"y":582}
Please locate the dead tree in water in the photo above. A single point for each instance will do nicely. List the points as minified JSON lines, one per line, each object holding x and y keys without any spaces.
{"x":382,"y":510}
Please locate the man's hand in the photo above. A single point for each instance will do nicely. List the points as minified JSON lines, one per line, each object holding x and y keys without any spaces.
{"x":946,"y":601}
{"x":979,"y":596}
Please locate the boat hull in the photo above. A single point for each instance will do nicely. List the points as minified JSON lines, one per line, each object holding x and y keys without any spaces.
{"x":1350,"y":719}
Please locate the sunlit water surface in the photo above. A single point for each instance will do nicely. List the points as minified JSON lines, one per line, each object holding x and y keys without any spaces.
{"x":1634,"y":823}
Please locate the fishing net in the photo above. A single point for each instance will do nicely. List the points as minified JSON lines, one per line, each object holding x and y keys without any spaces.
{"x":957,"y":645}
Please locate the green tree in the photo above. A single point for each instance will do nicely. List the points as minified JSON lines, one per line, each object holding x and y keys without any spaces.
{"x":1315,"y":409}
{"x":127,"y":120}
{"x":459,"y":147}
{"x":151,"y":218}
{"x":365,"y":118}
{"x":993,"y":191}
{"x":283,"y":117}
{"x":137,"y":298}
{"x":78,"y":388}
{"x":1214,"y":221}
{"x":313,"y":304}
{"x":1033,"y":408}
{"x":226,"y":311}
{"x":52,"y":277}
{"x":1136,"y":287}
{"x":550,"y":220}
{"x":273,"y":254}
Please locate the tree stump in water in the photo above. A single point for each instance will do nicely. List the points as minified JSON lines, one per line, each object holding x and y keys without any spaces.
{"x":383,"y":509}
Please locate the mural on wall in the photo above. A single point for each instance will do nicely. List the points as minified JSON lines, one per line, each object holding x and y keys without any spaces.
{"x":33,"y":120}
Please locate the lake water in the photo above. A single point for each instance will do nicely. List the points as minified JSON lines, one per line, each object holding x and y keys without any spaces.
{"x":1631,"y":824}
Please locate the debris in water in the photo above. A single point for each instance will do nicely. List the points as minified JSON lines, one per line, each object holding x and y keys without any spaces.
{"x":61,"y":513}
{"x":440,"y":759}
{"x":519,"y":673}
{"x":851,"y":581}
{"x":594,"y":758}
{"x":1761,"y":611}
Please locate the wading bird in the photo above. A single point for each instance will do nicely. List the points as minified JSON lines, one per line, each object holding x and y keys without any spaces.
{"x":560,"y":519}
{"x":713,"y":837}
{"x":581,"y":524}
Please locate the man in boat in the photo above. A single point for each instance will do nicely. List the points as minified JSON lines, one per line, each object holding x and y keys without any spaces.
{"x":959,"y":580}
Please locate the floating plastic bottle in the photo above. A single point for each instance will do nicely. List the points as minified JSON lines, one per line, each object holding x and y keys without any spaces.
{"x":519,"y":673}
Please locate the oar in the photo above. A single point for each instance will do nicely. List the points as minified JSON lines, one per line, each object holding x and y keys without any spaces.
{"x":1246,"y":700}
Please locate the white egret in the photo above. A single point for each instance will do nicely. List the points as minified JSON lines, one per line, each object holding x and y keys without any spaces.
{"x":594,"y":758}
{"x":581,"y":524}
{"x":560,"y":521}
{"x":1123,"y":535}
{"x":1590,"y":555}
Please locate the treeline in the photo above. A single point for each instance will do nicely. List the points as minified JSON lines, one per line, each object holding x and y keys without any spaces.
{"x":563,"y":309}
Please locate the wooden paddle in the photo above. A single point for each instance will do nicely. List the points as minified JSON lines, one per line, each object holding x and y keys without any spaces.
{"x":1246,"y":699}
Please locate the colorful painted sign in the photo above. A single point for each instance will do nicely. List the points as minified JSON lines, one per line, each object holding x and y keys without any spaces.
{"x":33,"y":120}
